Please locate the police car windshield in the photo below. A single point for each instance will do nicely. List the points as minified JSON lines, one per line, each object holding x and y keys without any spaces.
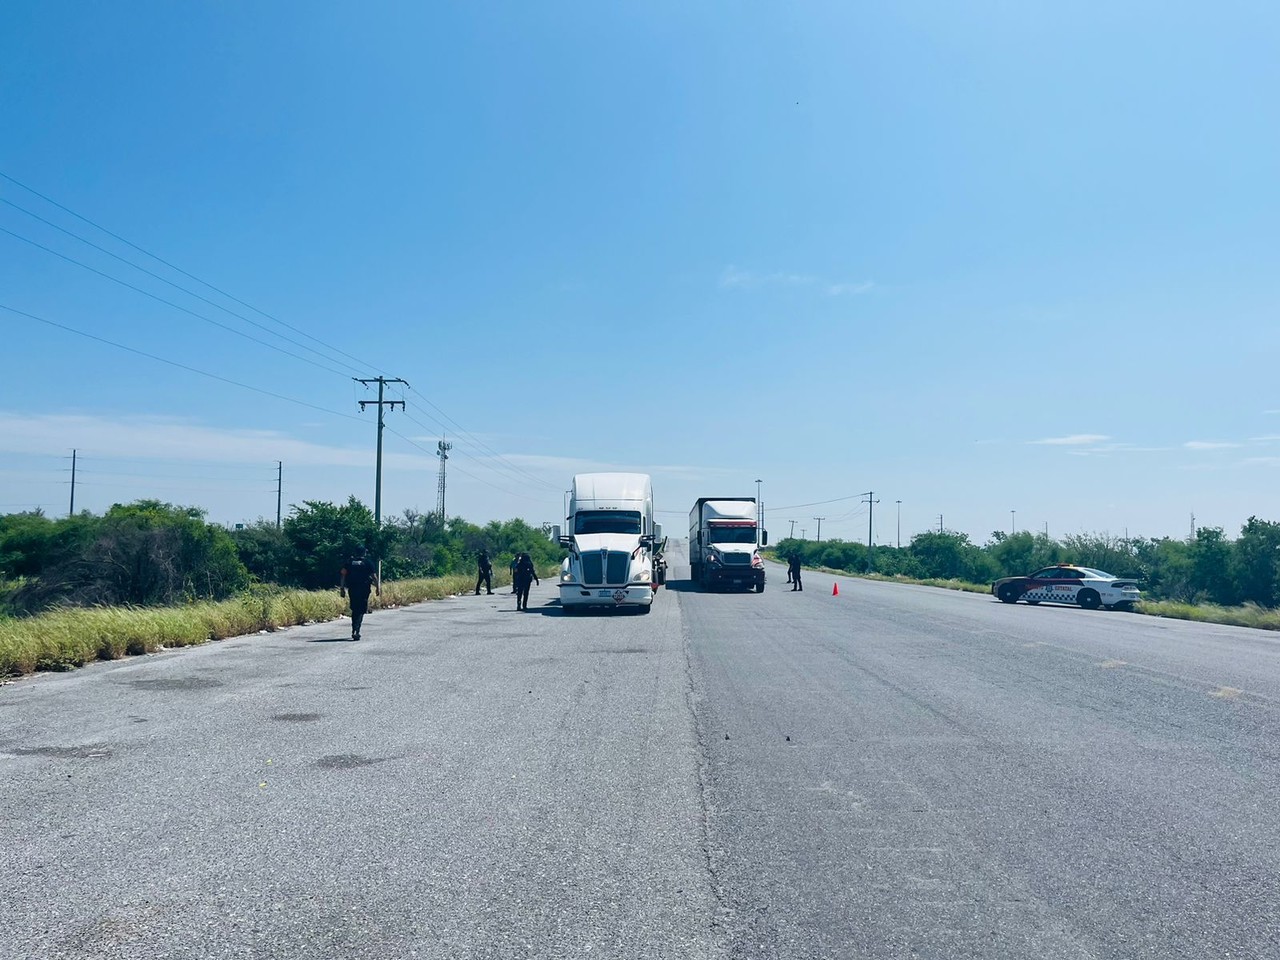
{"x":607,"y":521}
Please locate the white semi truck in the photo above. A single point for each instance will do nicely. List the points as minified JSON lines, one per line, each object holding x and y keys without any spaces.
{"x":613,"y":543}
{"x":724,"y":543}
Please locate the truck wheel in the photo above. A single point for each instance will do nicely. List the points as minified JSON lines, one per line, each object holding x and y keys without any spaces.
{"x":760,"y":587}
{"x":1089,"y":599}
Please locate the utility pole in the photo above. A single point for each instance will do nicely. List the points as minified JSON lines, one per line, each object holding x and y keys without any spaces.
{"x":871,"y":502}
{"x":442,"y":451}
{"x":72,"y":512}
{"x":279,"y":489}
{"x":939,"y":523}
{"x":380,"y":403}
{"x":1193,"y":527}
{"x":899,"y":502}
{"x":819,"y":519}
{"x":804,"y":533}
{"x":1013,"y":522}
{"x":792,"y":534}
{"x":1046,"y":529}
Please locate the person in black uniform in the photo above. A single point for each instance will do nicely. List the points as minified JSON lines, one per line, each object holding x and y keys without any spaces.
{"x":793,"y":568}
{"x":525,"y":574}
{"x":485,"y":573}
{"x":358,"y":578}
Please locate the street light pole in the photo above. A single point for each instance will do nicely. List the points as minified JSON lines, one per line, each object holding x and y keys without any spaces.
{"x":899,"y":502}
{"x":759,"y":513}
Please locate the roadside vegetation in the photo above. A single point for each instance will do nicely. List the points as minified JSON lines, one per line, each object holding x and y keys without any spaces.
{"x":149,"y":575}
{"x":1209,"y":578}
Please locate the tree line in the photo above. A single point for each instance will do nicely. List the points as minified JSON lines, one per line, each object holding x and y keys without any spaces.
{"x":151,"y":553}
{"x":1209,"y":568}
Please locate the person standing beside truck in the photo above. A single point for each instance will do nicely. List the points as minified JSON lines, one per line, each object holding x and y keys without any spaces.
{"x":793,"y":568}
{"x":525,"y":574}
{"x":357,"y":580}
{"x":484,"y":572}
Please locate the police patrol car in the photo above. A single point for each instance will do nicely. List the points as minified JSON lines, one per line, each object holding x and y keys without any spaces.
{"x":1064,"y":583}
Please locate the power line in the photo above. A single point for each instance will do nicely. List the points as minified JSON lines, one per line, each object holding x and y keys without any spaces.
{"x":170,"y":303}
{"x":175,"y":267}
{"x":175,"y":363}
{"x":817,"y":503}
{"x":511,"y":474}
{"x":513,"y":468}
{"x":150,"y":273}
{"x":484,"y":446}
{"x":457,"y":469}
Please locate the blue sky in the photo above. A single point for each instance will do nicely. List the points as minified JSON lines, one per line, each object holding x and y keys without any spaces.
{"x":979,"y":258}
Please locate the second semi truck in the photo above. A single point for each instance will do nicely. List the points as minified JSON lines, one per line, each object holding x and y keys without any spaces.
{"x":724,"y":543}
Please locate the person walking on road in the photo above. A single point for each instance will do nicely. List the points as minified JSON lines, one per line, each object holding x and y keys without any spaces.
{"x":793,"y":568}
{"x":358,"y":578}
{"x":484,"y":573}
{"x":525,"y":574}
{"x":514,"y":560}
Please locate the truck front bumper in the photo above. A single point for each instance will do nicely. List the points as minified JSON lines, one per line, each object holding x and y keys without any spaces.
{"x":632,"y":595}
{"x":733,"y":576}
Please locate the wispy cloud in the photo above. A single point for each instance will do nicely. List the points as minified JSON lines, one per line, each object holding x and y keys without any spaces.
{"x":173,"y":438}
{"x":733,"y":277}
{"x":840,"y":289}
{"x":1074,"y":440}
{"x":566,"y":467}
{"x":1211,"y":444}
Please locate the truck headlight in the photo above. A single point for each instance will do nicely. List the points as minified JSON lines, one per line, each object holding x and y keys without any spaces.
{"x":566,"y":577}
{"x":643,"y":576}
{"x":712,"y":558}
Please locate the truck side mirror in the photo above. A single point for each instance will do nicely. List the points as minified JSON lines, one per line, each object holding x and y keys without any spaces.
{"x":647,"y":540}
{"x":764,"y":538}
{"x":565,"y":542}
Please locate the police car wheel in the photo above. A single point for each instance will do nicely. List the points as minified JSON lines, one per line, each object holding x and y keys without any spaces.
{"x":1008,"y":594}
{"x":1089,"y":599}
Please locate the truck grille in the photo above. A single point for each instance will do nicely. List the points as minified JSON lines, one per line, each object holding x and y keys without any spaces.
{"x":616,"y":567}
{"x":737,"y":559}
{"x":599,"y":567}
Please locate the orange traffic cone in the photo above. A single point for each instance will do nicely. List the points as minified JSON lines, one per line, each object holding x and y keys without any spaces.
{"x":835,"y":589}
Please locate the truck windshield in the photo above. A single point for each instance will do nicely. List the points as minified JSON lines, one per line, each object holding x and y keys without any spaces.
{"x":607,"y":521}
{"x":722,"y":533}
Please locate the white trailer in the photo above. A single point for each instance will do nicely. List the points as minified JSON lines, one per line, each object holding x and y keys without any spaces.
{"x":612,"y":542}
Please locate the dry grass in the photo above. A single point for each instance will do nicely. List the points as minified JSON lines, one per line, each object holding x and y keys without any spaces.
{"x":71,"y":637}
{"x":1248,"y":615}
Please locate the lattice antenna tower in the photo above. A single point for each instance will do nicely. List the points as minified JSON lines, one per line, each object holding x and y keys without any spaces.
{"x":442,"y":451}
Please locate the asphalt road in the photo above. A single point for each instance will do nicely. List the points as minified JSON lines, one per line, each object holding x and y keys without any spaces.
{"x":894,"y":772}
